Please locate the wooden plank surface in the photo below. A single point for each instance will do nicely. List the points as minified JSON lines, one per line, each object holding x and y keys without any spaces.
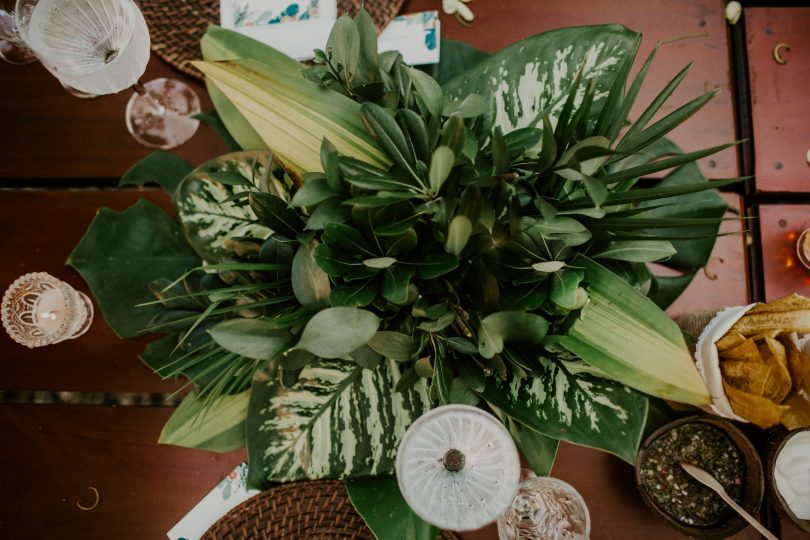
{"x":48,"y":133}
{"x":498,"y":24}
{"x":724,"y":282}
{"x":52,"y":454}
{"x":779,"y":97}
{"x":145,"y":488}
{"x":780,"y":226}
{"x":40,"y":229}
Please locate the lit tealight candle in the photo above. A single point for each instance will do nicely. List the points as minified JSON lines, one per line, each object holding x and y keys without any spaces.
{"x":803,"y":248}
{"x":39,"y":309}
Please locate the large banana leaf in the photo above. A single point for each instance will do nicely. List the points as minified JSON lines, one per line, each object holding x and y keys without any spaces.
{"x":533,"y":77}
{"x":338,"y":421}
{"x":205,"y":205}
{"x":116,"y":257}
{"x":574,"y":407}
{"x":624,"y":334}
{"x":221,"y":44}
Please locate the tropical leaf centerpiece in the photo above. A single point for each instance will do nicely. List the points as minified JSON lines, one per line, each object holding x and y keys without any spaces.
{"x":380,"y":244}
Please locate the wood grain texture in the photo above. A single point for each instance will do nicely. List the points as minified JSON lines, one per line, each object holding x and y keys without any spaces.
{"x":779,"y":98}
{"x":47,"y":133}
{"x":780,"y":227}
{"x":728,"y":265}
{"x":40,"y":229}
{"x":52,"y":454}
{"x":498,"y":24}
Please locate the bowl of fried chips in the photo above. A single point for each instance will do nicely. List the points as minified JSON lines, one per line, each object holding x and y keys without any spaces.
{"x":755,"y":361}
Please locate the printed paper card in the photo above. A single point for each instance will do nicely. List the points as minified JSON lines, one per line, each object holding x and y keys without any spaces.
{"x":416,"y":36}
{"x":256,"y":13}
{"x":229,"y":493}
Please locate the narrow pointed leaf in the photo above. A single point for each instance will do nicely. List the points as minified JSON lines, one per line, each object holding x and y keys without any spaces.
{"x":218,"y":426}
{"x":637,"y":251}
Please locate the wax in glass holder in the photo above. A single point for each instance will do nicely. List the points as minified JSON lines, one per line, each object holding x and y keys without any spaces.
{"x":38,"y":309}
{"x":545,"y":508}
{"x":803,"y":248}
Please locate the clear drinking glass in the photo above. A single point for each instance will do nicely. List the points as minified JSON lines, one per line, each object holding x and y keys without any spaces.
{"x":12,"y":49}
{"x":39,"y":309}
{"x":545,"y":508}
{"x":102,"y":47}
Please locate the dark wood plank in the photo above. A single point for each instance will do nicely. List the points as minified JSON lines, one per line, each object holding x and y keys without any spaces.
{"x":48,"y":133}
{"x":780,"y":226}
{"x":498,"y":24}
{"x":729,"y":266}
{"x":52,"y":454}
{"x":779,"y":97}
{"x":40,"y":229}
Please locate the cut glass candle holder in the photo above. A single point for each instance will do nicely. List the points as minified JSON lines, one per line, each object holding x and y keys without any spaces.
{"x":38,"y":310}
{"x":545,"y":508}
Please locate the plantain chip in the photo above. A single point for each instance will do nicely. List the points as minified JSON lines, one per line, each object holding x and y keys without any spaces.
{"x":793,"y":302}
{"x":798,"y":364}
{"x":757,"y":323}
{"x":747,"y":351}
{"x":778,"y":383}
{"x":798,"y":414}
{"x":729,"y":341}
{"x":756,"y":409}
{"x":764,"y":335}
{"x":749,"y":377}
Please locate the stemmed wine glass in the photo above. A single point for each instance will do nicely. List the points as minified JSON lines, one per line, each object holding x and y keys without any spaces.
{"x":102,"y":47}
{"x":12,"y":49}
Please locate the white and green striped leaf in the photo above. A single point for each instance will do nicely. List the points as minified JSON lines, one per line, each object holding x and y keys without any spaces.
{"x":338,"y":421}
{"x":578,"y":408}
{"x":533,"y":77}
{"x":204,"y":207}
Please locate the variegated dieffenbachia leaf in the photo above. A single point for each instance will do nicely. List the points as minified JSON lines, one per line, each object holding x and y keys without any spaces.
{"x":338,"y":421}
{"x":206,"y":205}
{"x":533,"y":77}
{"x":578,"y":408}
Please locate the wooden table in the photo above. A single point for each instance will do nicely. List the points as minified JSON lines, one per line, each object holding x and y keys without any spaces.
{"x":61,"y":158}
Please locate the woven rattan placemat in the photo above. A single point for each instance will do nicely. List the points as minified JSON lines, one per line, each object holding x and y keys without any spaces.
{"x":299,"y":511}
{"x":177,"y":26}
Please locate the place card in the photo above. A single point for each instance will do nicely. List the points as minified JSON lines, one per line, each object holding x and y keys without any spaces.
{"x":228,"y":494}
{"x":416,"y":36}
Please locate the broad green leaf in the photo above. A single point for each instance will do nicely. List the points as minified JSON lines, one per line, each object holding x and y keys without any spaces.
{"x":455,"y":57}
{"x":532,"y":78}
{"x":435,"y":265}
{"x":564,"y":287}
{"x":213,"y":120}
{"x":331,"y":211}
{"x":394,"y":345}
{"x":222,"y":44}
{"x":538,"y":449}
{"x":276,"y":214}
{"x":395,"y":283}
{"x":310,"y":284}
{"x":161,"y":168}
{"x":429,"y":90}
{"x":116,"y":257}
{"x":354,"y":294}
{"x":577,"y":408}
{"x":623,"y":333}
{"x":381,"y":505}
{"x":344,"y":45}
{"x":218,"y":426}
{"x":669,"y":288}
{"x":336,"y":332}
{"x":366,"y":357}
{"x":204,"y":205}
{"x":260,"y":339}
{"x":637,"y":251}
{"x":313,"y":192}
{"x":461,"y":394}
{"x":510,"y":326}
{"x":338,"y":421}
{"x":293,"y":115}
{"x":440,"y":166}
{"x":458,"y":234}
{"x":469,"y":106}
{"x":368,"y":65}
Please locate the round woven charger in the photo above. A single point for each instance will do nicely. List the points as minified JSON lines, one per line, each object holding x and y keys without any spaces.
{"x":177,"y":26}
{"x":300,"y":511}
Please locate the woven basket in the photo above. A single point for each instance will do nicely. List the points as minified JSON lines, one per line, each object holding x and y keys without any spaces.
{"x":299,"y":511}
{"x":177,"y":26}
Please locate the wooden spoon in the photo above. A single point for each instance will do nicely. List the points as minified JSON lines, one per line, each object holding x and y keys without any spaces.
{"x":711,"y":482}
